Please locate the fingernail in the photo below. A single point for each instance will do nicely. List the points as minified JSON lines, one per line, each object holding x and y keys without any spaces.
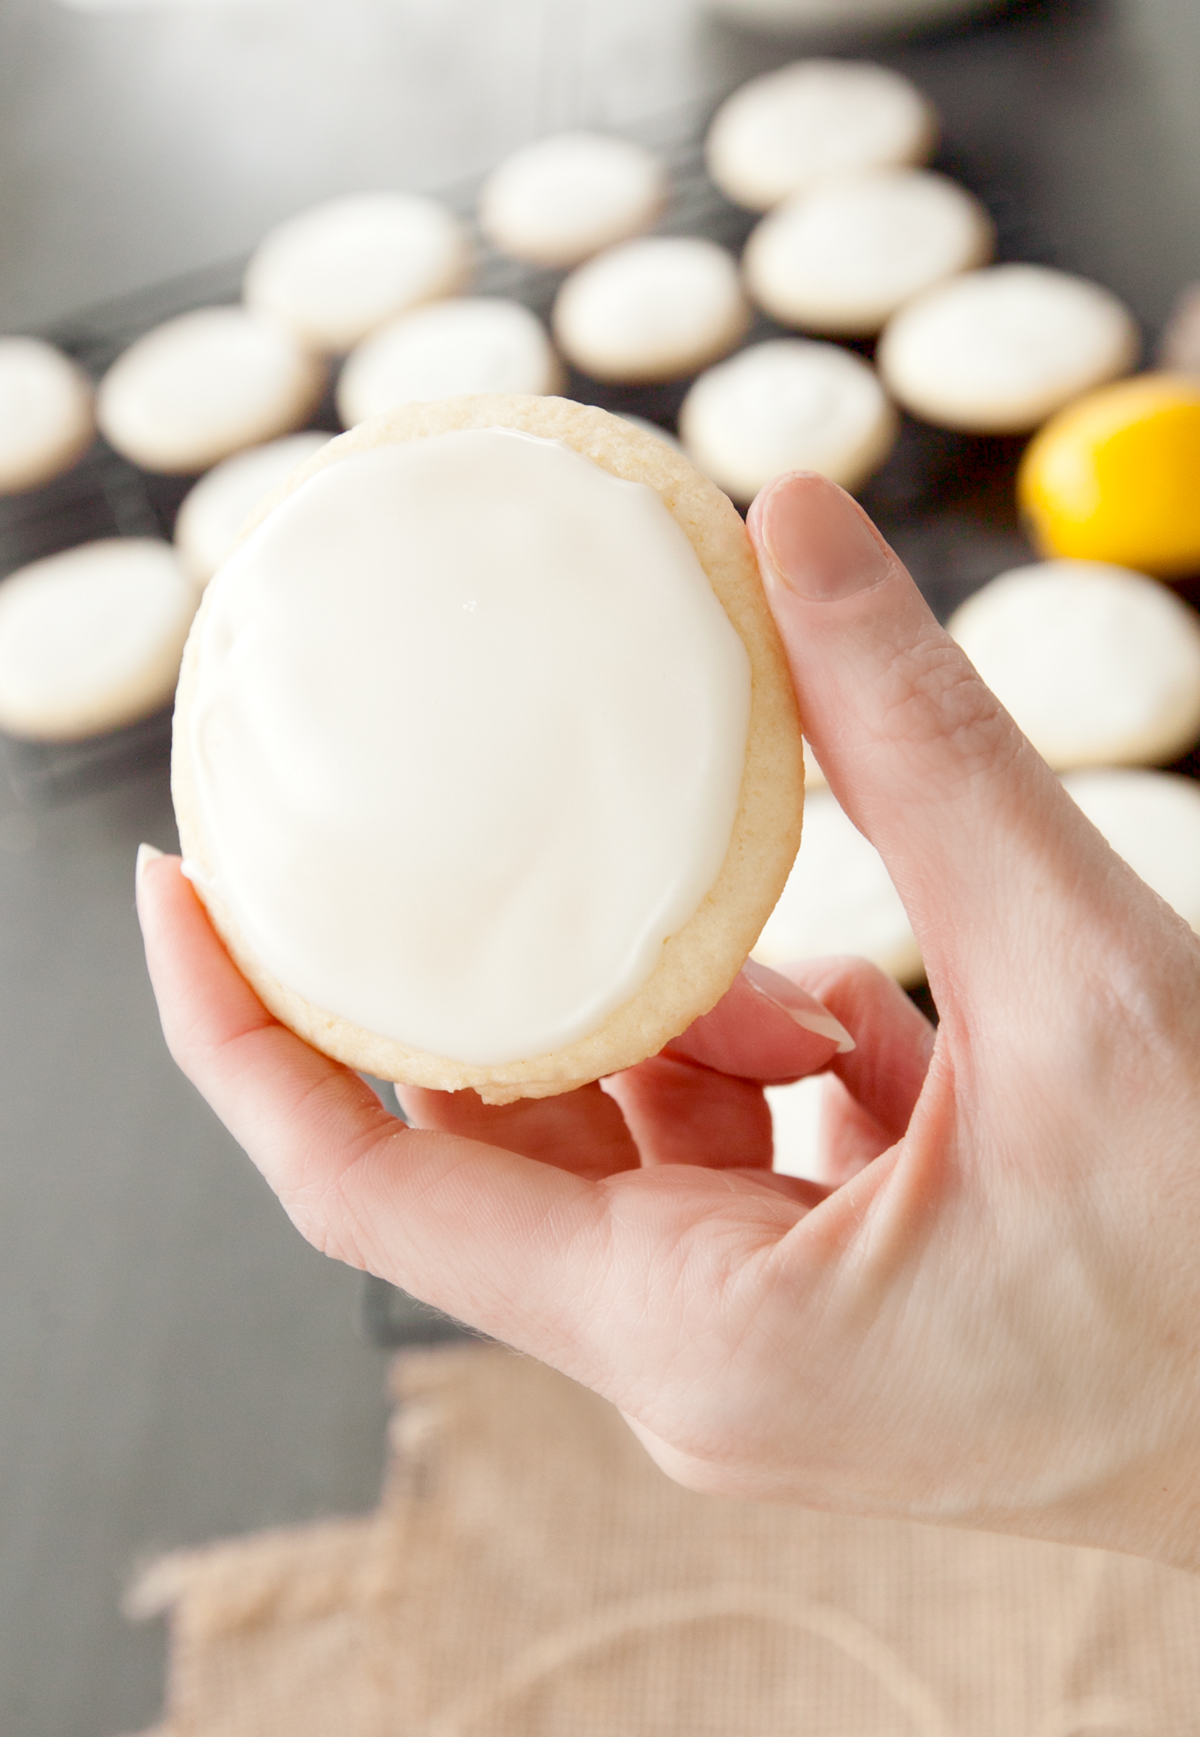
{"x":146,"y":853}
{"x":801,"y":1008}
{"x":817,"y":541}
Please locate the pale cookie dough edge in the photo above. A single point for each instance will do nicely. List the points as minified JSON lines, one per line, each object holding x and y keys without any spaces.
{"x":698,"y":963}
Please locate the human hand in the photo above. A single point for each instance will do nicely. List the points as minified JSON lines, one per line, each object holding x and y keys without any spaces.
{"x":994,"y":1319}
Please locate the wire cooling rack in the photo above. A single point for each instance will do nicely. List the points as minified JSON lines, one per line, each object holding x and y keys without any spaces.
{"x":944,"y":499}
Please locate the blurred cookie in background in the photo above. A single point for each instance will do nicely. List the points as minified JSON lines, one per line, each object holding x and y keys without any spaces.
{"x":336,"y":272}
{"x":91,"y":639}
{"x":651,"y":310}
{"x":1179,"y":351}
{"x":200,"y":387}
{"x":844,"y":256}
{"x":1115,"y":476}
{"x":1152,"y":820}
{"x":787,"y":404}
{"x":213,"y":513}
{"x":46,"y":417}
{"x":449,"y":349}
{"x":999,"y":350}
{"x":839,"y":898}
{"x":1098,"y":665}
{"x":844,"y":16}
{"x":563,"y":198}
{"x":789,"y":130}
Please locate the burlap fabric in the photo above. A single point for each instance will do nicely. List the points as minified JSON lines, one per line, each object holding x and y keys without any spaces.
{"x":529,"y":1573}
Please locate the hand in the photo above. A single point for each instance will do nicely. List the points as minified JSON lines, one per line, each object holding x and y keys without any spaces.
{"x":994,"y":1319}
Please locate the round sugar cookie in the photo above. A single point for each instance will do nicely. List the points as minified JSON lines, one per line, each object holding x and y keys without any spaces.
{"x":487,"y":763}
{"x":338,"y":271}
{"x":787,"y":404}
{"x":815,"y":119}
{"x":1098,"y":665}
{"x":843,"y":256}
{"x":654,"y":428}
{"x":468,"y":345}
{"x":997,"y":351}
{"x":839,"y":898}
{"x":563,"y":198}
{"x":1152,"y":819}
{"x":46,"y":420}
{"x":213,"y":512}
{"x":205,"y":385}
{"x":91,"y":639}
{"x":651,"y":310}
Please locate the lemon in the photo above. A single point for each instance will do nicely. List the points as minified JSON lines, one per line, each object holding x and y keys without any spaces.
{"x":1116,"y":477}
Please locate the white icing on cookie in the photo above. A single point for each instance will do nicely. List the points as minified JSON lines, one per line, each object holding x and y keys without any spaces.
{"x":205,"y":385}
{"x":91,"y":639}
{"x":787,"y":404}
{"x":998,"y":351}
{"x":839,"y":899}
{"x":812,"y":120}
{"x":845,"y":255}
{"x":45,"y":413}
{"x":338,"y":271}
{"x":1152,"y":819}
{"x":563,"y":198}
{"x":1098,"y":665}
{"x":651,"y":310}
{"x":420,"y":803}
{"x":449,"y":349}
{"x":213,"y":513}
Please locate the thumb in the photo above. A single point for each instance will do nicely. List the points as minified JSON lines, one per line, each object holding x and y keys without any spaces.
{"x":973,"y":826}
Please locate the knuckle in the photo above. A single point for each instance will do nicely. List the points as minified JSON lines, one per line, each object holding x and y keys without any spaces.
{"x":936,"y":701}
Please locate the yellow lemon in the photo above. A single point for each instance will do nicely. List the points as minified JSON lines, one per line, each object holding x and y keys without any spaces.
{"x":1116,"y":477}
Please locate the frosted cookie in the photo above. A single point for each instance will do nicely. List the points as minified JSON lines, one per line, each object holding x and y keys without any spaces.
{"x":787,"y":404}
{"x":475,"y":344}
{"x":1152,"y":819}
{"x":91,"y":639}
{"x":1098,"y":665}
{"x":839,"y":898}
{"x":213,"y":512}
{"x":998,"y":351}
{"x":844,"y":256}
{"x":339,"y":270}
{"x":790,"y":129}
{"x":486,"y":763}
{"x":560,"y":200}
{"x":205,"y":385}
{"x":654,"y":428}
{"x":651,"y":310}
{"x":45,"y":413}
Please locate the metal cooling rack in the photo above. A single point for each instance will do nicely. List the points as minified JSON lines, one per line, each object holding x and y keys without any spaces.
{"x":944,"y":499}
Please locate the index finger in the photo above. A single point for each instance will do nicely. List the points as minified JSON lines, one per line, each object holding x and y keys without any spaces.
{"x":551,"y":1262}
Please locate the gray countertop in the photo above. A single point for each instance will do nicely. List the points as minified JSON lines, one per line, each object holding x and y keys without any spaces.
{"x":175,"y":1363}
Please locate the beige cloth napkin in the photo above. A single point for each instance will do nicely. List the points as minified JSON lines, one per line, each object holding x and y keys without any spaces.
{"x":530,"y":1573}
